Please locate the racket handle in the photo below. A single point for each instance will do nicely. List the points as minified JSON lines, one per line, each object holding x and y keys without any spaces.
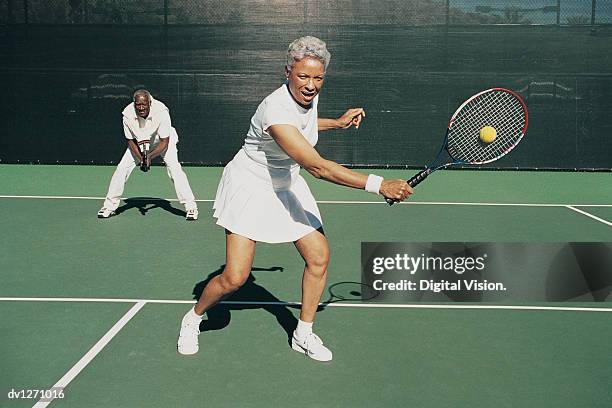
{"x":417,"y":178}
{"x":143,"y":165}
{"x":413,"y":182}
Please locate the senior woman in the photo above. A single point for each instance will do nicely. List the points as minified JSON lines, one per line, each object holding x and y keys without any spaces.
{"x":262,"y":197}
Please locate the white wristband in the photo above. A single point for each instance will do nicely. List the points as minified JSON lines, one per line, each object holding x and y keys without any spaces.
{"x":373,"y":184}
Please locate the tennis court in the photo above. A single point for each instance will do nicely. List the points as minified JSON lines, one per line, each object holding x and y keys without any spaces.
{"x":86,"y":306}
{"x":90,"y":308}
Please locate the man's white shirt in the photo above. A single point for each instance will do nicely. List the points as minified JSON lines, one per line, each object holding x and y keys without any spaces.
{"x":157,"y":125}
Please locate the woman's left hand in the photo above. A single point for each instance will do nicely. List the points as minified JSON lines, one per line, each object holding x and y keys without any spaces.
{"x":351,"y":117}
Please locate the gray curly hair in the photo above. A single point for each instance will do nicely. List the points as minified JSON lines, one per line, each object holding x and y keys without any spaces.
{"x":144,"y":92}
{"x":307,"y":46}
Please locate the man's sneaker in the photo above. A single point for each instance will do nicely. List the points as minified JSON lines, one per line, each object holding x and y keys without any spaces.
{"x":192,"y":214}
{"x":105,"y":213}
{"x":312,"y":346}
{"x":188,"y":337}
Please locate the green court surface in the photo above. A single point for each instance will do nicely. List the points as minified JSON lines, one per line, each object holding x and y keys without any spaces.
{"x":98,"y":303}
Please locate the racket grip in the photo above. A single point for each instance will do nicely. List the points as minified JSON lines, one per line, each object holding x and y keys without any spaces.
{"x":143,"y":164}
{"x":413,"y":182}
{"x":417,"y":178}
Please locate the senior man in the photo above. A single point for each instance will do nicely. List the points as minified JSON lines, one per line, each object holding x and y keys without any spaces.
{"x":148,"y":120}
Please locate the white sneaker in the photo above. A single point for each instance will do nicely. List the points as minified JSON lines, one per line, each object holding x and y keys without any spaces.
{"x":312,"y":346}
{"x":105,"y":213}
{"x":192,"y":214}
{"x":188,"y":337}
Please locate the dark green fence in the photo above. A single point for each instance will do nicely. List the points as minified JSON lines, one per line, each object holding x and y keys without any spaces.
{"x":65,"y":85}
{"x":570,"y":12}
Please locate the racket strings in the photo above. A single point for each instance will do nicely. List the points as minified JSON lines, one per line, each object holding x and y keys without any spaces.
{"x":492,"y":109}
{"x":497,"y":108}
{"x":486,"y":111}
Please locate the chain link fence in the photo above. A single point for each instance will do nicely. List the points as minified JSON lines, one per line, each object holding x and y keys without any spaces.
{"x":395,"y":12}
{"x":213,"y":61}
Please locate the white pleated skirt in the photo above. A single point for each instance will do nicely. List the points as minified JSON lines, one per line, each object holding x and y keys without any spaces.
{"x":265,"y":204}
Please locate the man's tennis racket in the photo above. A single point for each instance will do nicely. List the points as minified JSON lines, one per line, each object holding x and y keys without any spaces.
{"x":143,"y":146}
{"x":469,"y":138}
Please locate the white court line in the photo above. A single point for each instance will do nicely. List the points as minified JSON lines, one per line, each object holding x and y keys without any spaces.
{"x":92,"y":353}
{"x":94,"y":300}
{"x":481,"y":307}
{"x":589,"y":215}
{"x":339,"y":201}
{"x":467,"y":203}
{"x":44,"y":197}
{"x":336,"y":304}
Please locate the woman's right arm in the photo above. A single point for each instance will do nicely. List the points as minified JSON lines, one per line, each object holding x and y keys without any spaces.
{"x":298,"y":148}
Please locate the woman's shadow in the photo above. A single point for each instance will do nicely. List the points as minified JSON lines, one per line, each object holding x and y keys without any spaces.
{"x":254,"y":296}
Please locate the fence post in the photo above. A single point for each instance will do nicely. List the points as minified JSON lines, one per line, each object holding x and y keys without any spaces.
{"x":25,"y":11}
{"x":447,"y":12}
{"x":11,"y":17}
{"x":558,"y":12}
{"x":593,"y":5}
{"x":165,"y":34}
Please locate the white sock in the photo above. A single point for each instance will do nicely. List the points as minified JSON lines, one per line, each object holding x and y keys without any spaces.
{"x":303,"y":329}
{"x":192,"y":315}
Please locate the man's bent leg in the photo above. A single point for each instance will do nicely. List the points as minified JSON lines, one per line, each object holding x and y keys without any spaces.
{"x":179,"y":178}
{"x":117,"y":183}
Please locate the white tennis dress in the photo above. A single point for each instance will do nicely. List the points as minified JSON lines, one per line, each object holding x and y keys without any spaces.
{"x":261,"y":194}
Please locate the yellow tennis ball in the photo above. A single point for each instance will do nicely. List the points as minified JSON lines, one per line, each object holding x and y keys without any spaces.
{"x":488,"y":134}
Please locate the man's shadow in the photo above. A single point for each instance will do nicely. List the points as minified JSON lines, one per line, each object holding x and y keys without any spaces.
{"x":145,"y":204}
{"x":254,"y":296}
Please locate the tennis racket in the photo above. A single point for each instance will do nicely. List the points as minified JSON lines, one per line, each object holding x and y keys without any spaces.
{"x":143,"y":146}
{"x":497,"y":108}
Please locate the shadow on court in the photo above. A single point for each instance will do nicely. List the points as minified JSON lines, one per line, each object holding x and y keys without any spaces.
{"x":146,"y":204}
{"x":257,"y":297}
